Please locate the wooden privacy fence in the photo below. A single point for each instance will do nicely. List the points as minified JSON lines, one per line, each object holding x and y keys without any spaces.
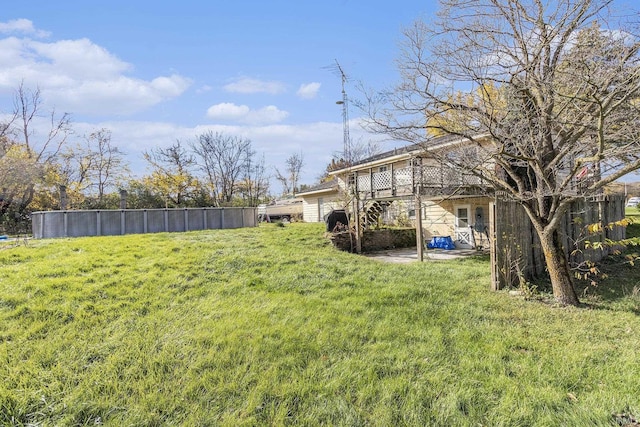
{"x":136,"y":221}
{"x":516,"y":252}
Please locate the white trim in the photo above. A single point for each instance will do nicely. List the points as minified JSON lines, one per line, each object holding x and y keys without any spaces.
{"x":309,"y":193}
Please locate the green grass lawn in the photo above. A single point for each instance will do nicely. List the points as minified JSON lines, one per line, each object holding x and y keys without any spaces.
{"x":272,"y":326}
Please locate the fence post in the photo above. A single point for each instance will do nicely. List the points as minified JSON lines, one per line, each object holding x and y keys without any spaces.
{"x":495,"y":281}
{"x":98,"y":225}
{"x":204,"y":218}
{"x":123,"y":222}
{"x":123,"y":199}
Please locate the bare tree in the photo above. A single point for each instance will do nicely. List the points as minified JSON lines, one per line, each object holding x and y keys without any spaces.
{"x":28,"y":154}
{"x":359,"y":151}
{"x":254,"y":185}
{"x":545,"y":96}
{"x":27,"y":105}
{"x":94,"y":167}
{"x":109,"y":162}
{"x":293,"y":167}
{"x":222,"y":159}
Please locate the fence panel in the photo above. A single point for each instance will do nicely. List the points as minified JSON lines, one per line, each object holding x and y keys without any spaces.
{"x":136,"y":221}
{"x":518,"y":255}
{"x":84,"y":223}
{"x":195,"y":219}
{"x":175,"y":220}
{"x":249,"y":217}
{"x":155,"y":221}
{"x":230,"y":220}
{"x":110,"y":223}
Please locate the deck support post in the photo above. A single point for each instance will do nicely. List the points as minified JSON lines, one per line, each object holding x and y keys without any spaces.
{"x":496,"y":285}
{"x":419,"y":234}
{"x":358,"y":235}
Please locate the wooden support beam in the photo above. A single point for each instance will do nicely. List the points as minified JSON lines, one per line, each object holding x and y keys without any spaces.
{"x":419,"y":234}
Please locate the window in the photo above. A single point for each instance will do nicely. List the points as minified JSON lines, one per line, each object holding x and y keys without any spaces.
{"x":411,"y":210}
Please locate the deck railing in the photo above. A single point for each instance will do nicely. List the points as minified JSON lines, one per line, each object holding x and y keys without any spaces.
{"x":404,"y":181}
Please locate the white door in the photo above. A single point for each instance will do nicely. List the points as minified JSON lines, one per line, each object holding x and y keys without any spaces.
{"x":320,"y":209}
{"x":463,"y":233}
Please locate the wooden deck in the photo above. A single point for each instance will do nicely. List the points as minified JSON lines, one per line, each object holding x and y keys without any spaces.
{"x":405,"y":182}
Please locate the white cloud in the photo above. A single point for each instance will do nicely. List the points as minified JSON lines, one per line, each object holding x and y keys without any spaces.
{"x":248,"y":85}
{"x":308,"y":90}
{"x":80,"y":59}
{"x":120,"y":95}
{"x":23,"y":26}
{"x":203,"y":89}
{"x":81,"y":77}
{"x":170,"y":87}
{"x":266,"y":115}
{"x":227,"y":111}
{"x":243,"y":114}
{"x":318,"y":141}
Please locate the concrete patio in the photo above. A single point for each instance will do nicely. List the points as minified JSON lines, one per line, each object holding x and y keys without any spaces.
{"x":407,"y":255}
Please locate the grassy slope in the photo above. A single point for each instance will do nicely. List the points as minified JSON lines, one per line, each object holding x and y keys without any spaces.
{"x":272,"y":326}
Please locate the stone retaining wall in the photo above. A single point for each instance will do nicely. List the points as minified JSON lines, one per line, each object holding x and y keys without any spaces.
{"x":376,"y":240}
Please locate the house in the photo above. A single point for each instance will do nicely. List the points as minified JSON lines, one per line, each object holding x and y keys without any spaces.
{"x":319,"y":200}
{"x":385,"y":186}
{"x":400,"y":184}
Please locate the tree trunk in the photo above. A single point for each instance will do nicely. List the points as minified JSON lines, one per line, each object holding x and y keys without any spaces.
{"x":558,"y":268}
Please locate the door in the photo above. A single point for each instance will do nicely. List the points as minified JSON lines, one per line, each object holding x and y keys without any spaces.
{"x":320,"y":209}
{"x":463,"y":233}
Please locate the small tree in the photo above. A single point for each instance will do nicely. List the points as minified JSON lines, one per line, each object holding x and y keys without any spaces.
{"x":544,"y":95}
{"x":293,"y":167}
{"x":171,"y":174}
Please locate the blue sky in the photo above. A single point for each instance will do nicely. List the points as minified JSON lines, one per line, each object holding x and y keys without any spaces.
{"x":154,"y":72}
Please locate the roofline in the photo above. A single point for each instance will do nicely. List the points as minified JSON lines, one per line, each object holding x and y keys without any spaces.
{"x":322,"y":190}
{"x":377,"y":162}
{"x":420,"y":148}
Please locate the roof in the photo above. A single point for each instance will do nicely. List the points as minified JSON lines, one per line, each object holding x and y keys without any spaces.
{"x":405,"y":152}
{"x":323,"y":187}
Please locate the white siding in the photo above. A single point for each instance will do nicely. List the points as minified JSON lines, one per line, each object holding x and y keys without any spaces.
{"x":438,"y":220}
{"x":310,"y":208}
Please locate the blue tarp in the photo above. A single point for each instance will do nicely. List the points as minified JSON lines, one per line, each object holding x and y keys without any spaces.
{"x":441,"y":242}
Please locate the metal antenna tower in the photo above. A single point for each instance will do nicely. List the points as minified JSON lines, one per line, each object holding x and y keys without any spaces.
{"x":345,"y":115}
